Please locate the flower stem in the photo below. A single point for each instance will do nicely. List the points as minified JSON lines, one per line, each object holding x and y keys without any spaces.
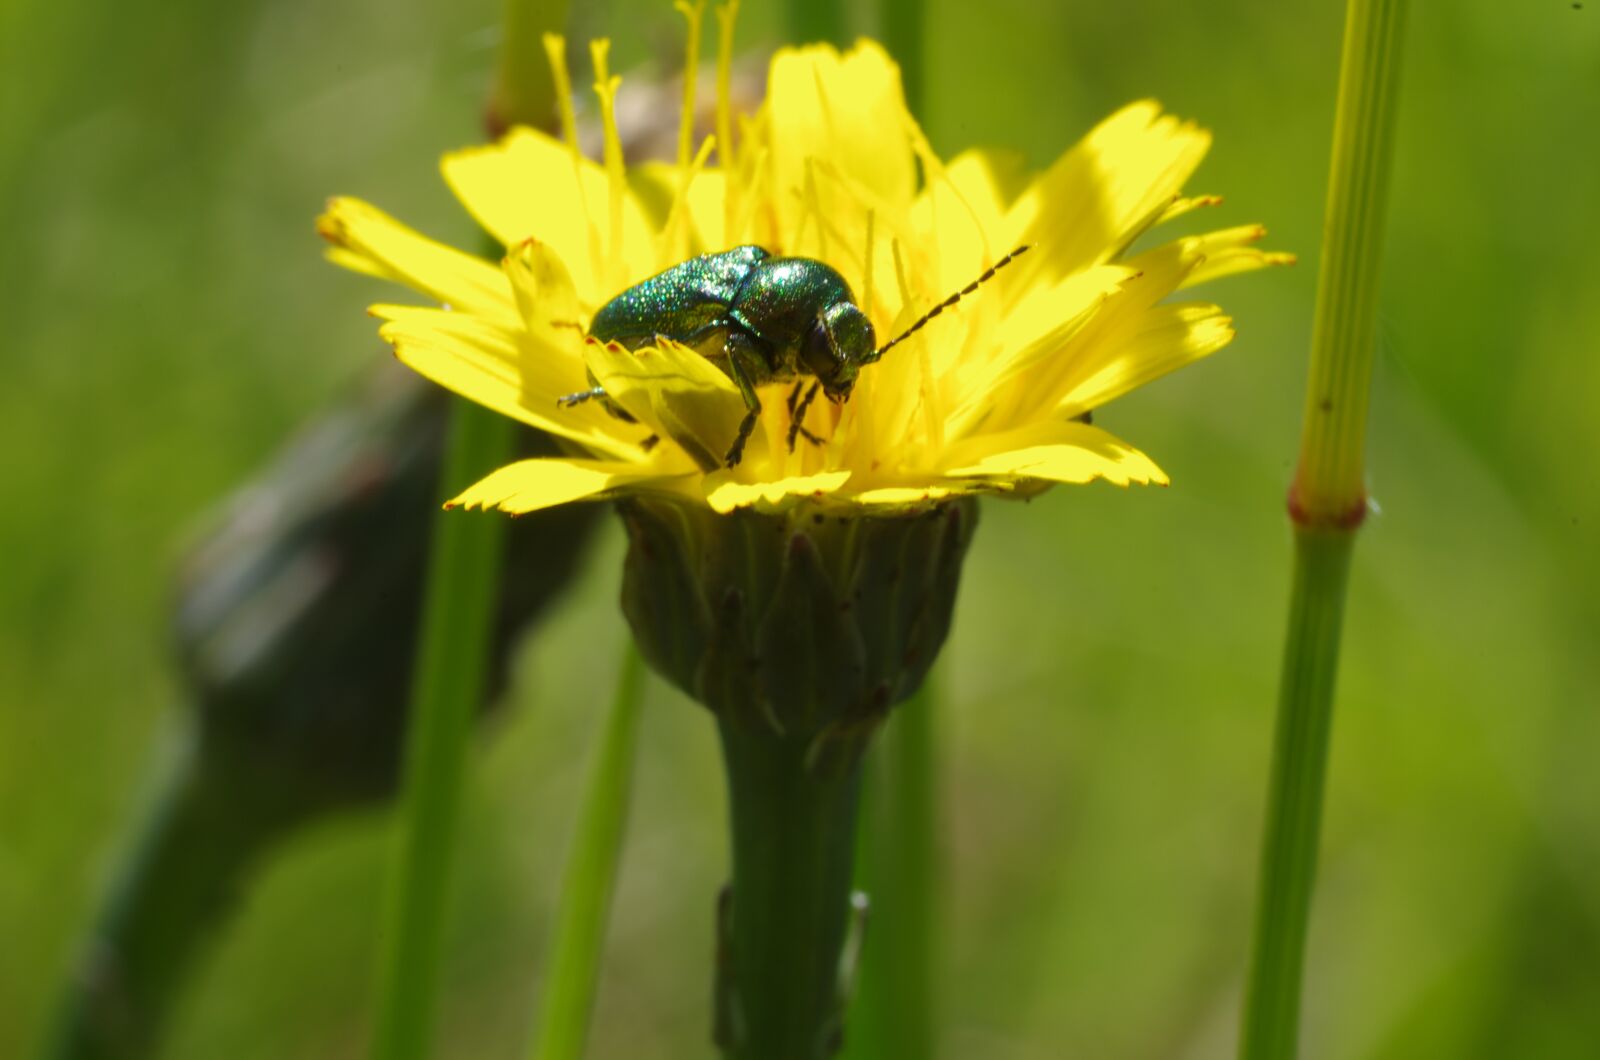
{"x":892,"y":1014}
{"x":590,"y":878}
{"x":905,"y":36}
{"x":199,"y":839}
{"x":1294,"y":795}
{"x":1327,"y":503}
{"x":1330,"y":483}
{"x":785,"y":916}
{"x":817,"y":20}
{"x":463,"y":569}
{"x":523,"y":92}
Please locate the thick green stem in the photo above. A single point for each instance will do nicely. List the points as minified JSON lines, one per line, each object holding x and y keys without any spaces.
{"x":788,"y":909}
{"x":463,"y":571}
{"x":1327,"y":503}
{"x":817,"y":20}
{"x":1294,"y":797}
{"x":173,"y":890}
{"x":1330,"y":482}
{"x":905,"y":36}
{"x":591,"y":876}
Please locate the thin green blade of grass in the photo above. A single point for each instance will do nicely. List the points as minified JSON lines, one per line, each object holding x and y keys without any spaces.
{"x":899,"y":870}
{"x":463,"y":571}
{"x":464,"y":565}
{"x":590,"y":878}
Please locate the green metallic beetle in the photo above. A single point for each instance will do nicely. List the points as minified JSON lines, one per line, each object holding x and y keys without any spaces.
{"x":759,"y":319}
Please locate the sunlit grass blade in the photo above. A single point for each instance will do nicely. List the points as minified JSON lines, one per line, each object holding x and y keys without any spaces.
{"x":463,"y":570}
{"x":1327,"y":503}
{"x":591,"y":876}
{"x":464,"y":564}
{"x":893,"y":1010}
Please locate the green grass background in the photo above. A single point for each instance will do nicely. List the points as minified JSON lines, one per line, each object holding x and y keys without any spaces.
{"x":165,"y":320}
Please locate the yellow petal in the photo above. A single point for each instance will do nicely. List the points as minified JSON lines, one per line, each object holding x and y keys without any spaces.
{"x":886,"y":499}
{"x":1054,"y":451}
{"x":847,"y":110}
{"x":1181,"y":205}
{"x":529,"y":485}
{"x":503,"y":370}
{"x":1104,"y":191}
{"x":529,"y":185}
{"x":675,"y":391}
{"x":1051,"y":369}
{"x":542,"y":288}
{"x":1165,"y":338}
{"x":1031,"y":340}
{"x":369,"y":240}
{"x":724,"y":494}
{"x":1231,"y":251}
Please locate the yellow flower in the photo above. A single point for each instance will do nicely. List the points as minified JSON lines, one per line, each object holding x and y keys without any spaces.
{"x":988,"y":398}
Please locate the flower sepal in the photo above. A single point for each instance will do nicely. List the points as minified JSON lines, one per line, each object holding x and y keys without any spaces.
{"x":807,"y":625}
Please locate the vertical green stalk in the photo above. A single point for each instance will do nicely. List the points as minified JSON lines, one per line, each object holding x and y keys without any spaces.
{"x":893,"y":1011}
{"x":463,"y":568}
{"x":905,"y":36}
{"x":786,"y":914}
{"x":1327,"y":503}
{"x":1294,"y":795}
{"x":522,"y":93}
{"x":817,"y":20}
{"x":590,"y":878}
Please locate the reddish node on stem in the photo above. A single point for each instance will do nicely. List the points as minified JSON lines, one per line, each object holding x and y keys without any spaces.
{"x":1349,"y":519}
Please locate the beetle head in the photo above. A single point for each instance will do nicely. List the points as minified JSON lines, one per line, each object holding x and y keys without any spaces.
{"x":837,"y":345}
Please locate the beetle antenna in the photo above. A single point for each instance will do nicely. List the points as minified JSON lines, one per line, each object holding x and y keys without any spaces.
{"x":988,"y":274}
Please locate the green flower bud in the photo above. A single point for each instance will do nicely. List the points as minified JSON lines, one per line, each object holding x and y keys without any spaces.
{"x":298,"y":608}
{"x":807,"y":624}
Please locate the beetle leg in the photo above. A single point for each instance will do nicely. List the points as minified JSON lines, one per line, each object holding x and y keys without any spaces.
{"x":596,"y":392}
{"x":739,"y":371}
{"x":794,"y":395}
{"x":567,"y":401}
{"x":797,"y":416}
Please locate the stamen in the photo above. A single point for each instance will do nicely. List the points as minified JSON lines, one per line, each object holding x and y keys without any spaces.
{"x":900,"y":275}
{"x":755,"y":167}
{"x":866,"y":265}
{"x":935,"y":170}
{"x":605,"y":87}
{"x":864,"y":199}
{"x":814,"y":201}
{"x":555,"y":49}
{"x":932,"y":421}
{"x":693,"y":14}
{"x":988,"y":274}
{"x":676,"y":246}
{"x":726,"y":15}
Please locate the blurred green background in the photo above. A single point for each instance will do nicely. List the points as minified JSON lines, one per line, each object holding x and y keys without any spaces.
{"x":1110,"y":684}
